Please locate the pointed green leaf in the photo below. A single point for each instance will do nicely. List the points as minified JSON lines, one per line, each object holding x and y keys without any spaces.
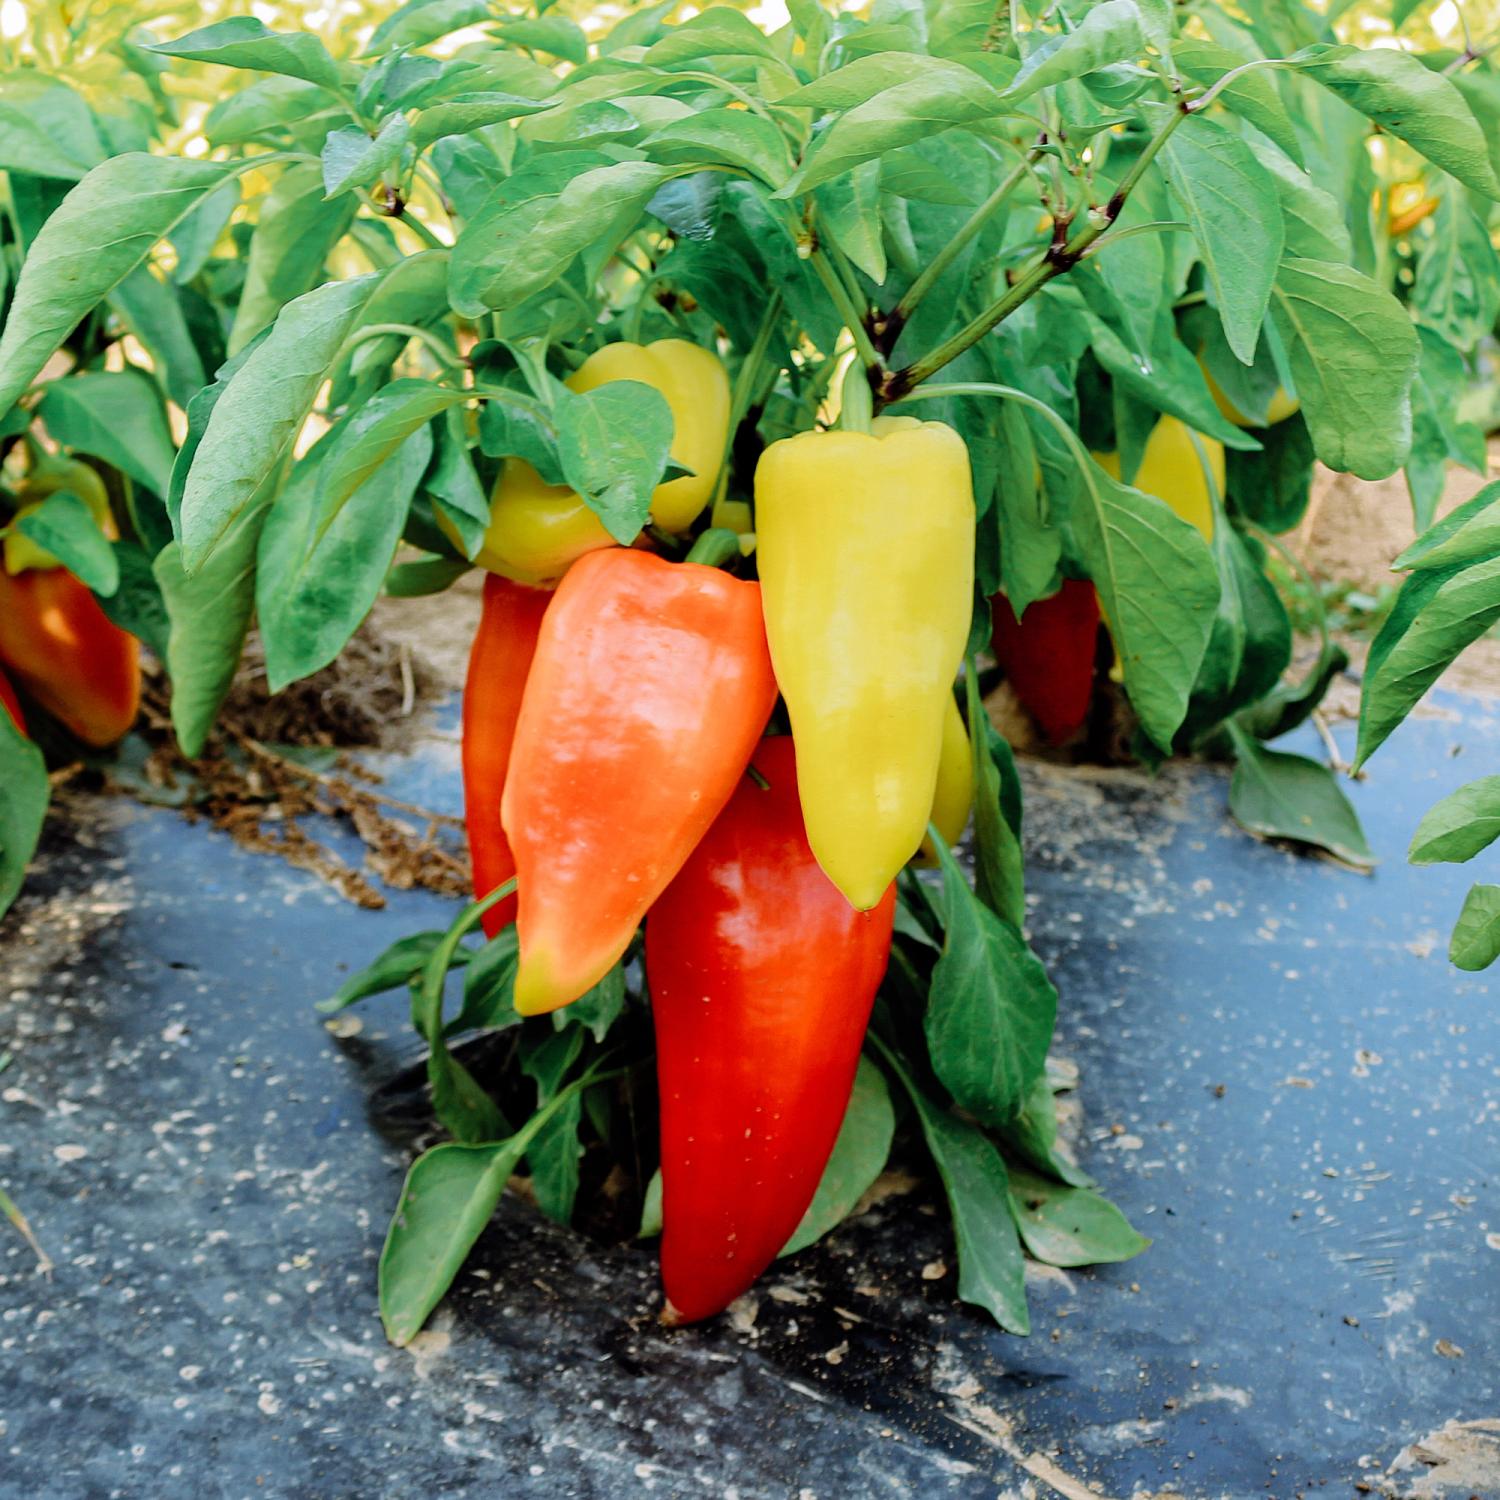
{"x":1475,"y":943}
{"x":244,"y":42}
{"x":97,"y":236}
{"x":24,"y":792}
{"x":1276,"y":795}
{"x":1458,"y":827}
{"x":858,"y":1158}
{"x":1070,"y":1226}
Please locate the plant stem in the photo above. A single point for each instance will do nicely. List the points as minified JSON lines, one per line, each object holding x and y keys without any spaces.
{"x":715,"y":547}
{"x":850,"y":314}
{"x":1010,"y":393}
{"x":444,"y":355}
{"x":1052,"y":263}
{"x":901,"y":313}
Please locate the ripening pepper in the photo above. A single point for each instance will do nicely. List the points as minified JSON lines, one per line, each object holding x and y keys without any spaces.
{"x":50,"y":476}
{"x":1170,"y":469}
{"x":1408,"y":205}
{"x":953,"y":797}
{"x":1048,"y":655}
{"x":866,"y":558}
{"x":11,"y":704}
{"x":62,"y":648}
{"x":1281,"y":406}
{"x":499,"y":661}
{"x":537,"y":529}
{"x":649,"y":689}
{"x":761,"y":977}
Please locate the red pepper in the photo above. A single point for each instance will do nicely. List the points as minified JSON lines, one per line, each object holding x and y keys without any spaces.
{"x":11,"y":704}
{"x":498,"y":663}
{"x":75,"y":662}
{"x":1048,"y":656}
{"x":761,"y":977}
{"x":650,"y":687}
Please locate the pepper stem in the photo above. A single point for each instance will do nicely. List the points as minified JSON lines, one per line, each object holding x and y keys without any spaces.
{"x":856,"y":405}
{"x":714,"y":547}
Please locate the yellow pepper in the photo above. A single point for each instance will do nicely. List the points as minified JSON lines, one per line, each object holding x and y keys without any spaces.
{"x":953,"y":798}
{"x":1408,"y":205}
{"x":1282,"y":404}
{"x":50,"y":477}
{"x":866,"y":558}
{"x":538,"y":530}
{"x":1170,"y":470}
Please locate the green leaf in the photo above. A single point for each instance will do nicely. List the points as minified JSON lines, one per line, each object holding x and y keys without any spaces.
{"x":209,"y":611}
{"x":1070,"y":1226}
{"x":1231,"y":204}
{"x":64,"y":526}
{"x":552,"y":33}
{"x":45,"y":128}
{"x":489,"y":987}
{"x":152,"y":310}
{"x":1421,"y":107}
{"x":394,"y":969}
{"x":597,"y":1009}
{"x":733,"y":137}
{"x":849,"y":212}
{"x":1439,"y":435}
{"x":1109,"y":33}
{"x":1032,"y":1135}
{"x":97,"y":236}
{"x":1289,"y":704}
{"x":715,"y":32}
{"x":991,"y":1268}
{"x":1475,"y":943}
{"x":1314,"y":218}
{"x":859,"y":1157}
{"x":467,"y":112}
{"x":116,"y":416}
{"x":244,"y":42}
{"x":1252,"y":96}
{"x":991,"y":1008}
{"x":999,"y":868}
{"x":449,"y":1196}
{"x":295,"y":230}
{"x":136,"y":604}
{"x":938,"y":96}
{"x":1353,"y":355}
{"x":1276,"y":795}
{"x":267,"y":106}
{"x":353,"y":159}
{"x":614,"y":443}
{"x":318,"y":575}
{"x":1457,"y":290}
{"x":536,"y":223}
{"x":1158,"y":588}
{"x":553,"y":1160}
{"x":452,"y":485}
{"x":1465,"y":535}
{"x":24,"y":791}
{"x":422,"y":21}
{"x":257,"y":418}
{"x":1437,"y":613}
{"x":372,"y":435}
{"x":1272,"y":487}
{"x":1458,"y":827}
{"x":650,"y":1224}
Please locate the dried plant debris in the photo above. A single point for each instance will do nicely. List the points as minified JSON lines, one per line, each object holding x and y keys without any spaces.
{"x":275,"y":762}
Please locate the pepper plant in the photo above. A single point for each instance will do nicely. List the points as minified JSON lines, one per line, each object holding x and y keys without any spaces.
{"x":1085,"y":289}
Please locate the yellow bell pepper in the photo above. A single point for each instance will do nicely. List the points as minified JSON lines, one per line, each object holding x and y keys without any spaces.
{"x":50,"y":477}
{"x":537,"y":530}
{"x":1171,"y":471}
{"x":866,"y":557}
{"x":1282,"y":404}
{"x":953,"y":797}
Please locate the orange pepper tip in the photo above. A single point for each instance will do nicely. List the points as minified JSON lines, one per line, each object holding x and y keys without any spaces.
{"x":538,"y":989}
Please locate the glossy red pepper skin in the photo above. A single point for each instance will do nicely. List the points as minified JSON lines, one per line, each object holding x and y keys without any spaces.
{"x":650,"y":687}
{"x":499,"y":662}
{"x":1048,"y":656}
{"x":68,"y":655}
{"x":761,"y":977}
{"x":11,"y":704}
